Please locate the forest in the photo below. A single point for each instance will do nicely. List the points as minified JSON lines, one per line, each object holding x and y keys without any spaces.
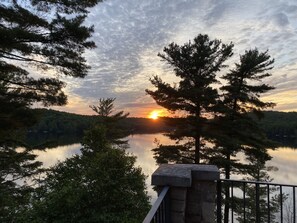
{"x":57,"y":122}
{"x":280,"y":126}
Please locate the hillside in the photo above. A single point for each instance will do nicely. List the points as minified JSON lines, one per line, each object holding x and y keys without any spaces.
{"x":280,"y":126}
{"x":57,"y":122}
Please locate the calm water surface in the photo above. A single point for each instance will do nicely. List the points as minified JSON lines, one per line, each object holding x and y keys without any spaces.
{"x":285,"y":159}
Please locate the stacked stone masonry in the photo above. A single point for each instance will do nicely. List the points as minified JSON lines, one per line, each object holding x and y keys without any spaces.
{"x":192,"y":191}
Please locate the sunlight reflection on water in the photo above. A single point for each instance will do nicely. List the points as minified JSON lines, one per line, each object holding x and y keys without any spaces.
{"x":285,"y":159}
{"x":141,"y":145}
{"x":51,"y":156}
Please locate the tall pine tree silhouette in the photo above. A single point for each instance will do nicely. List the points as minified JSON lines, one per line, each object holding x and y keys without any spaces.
{"x":196,"y":64}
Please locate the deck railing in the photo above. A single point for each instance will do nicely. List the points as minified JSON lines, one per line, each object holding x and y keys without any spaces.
{"x":252,"y":201}
{"x":197,"y":194}
{"x":160,"y":212}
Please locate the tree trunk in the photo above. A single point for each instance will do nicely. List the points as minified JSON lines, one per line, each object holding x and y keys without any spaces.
{"x":197,"y":148}
{"x":198,"y":135}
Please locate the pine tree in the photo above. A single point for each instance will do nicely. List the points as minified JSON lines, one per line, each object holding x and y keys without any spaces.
{"x":258,"y":171}
{"x":196,"y":64}
{"x":100,"y":185}
{"x":48,"y":36}
{"x":236,"y":130}
{"x":107,"y":124}
{"x":36,"y":37}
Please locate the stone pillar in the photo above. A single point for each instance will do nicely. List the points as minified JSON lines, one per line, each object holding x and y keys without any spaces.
{"x":192,"y":191}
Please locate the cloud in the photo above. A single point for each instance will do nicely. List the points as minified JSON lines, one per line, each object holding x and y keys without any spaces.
{"x":285,"y":100}
{"x":129,"y":34}
{"x":281,"y":19}
{"x":77,"y":104}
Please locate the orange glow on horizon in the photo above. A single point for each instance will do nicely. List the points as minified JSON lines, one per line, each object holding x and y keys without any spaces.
{"x":154,"y":114}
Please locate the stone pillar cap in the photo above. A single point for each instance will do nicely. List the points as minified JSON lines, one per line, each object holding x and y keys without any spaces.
{"x":181,"y":175}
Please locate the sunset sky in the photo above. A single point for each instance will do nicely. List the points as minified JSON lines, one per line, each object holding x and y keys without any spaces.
{"x":130,"y":33}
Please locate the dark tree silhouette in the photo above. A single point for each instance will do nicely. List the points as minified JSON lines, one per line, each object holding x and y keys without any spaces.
{"x":37,"y":38}
{"x":236,"y":130}
{"x":47,"y":35}
{"x":100,"y":185}
{"x":196,"y":64}
{"x":110,"y":120}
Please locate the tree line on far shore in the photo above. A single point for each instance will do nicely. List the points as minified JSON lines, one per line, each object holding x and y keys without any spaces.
{"x":280,"y":126}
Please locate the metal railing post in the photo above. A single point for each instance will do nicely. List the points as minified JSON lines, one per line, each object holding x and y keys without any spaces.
{"x":219,"y":201}
{"x":262,"y":201}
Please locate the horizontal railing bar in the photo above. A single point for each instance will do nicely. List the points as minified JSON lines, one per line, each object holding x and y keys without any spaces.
{"x":156,"y":205}
{"x":258,"y":182}
{"x":258,"y":213}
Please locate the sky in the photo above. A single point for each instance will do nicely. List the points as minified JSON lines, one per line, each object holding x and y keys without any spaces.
{"x":130,"y":33}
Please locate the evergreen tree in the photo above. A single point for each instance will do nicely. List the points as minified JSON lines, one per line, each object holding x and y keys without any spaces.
{"x":236,"y":130}
{"x":101,"y":185}
{"x":258,"y":171}
{"x":47,"y":35}
{"x":15,"y":168}
{"x":35,"y":37}
{"x":109,"y":120}
{"x":196,"y":64}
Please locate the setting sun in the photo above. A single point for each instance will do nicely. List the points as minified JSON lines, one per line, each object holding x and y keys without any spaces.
{"x":154,"y":115}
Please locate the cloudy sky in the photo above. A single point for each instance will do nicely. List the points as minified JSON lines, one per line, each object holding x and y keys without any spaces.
{"x":130,"y":33}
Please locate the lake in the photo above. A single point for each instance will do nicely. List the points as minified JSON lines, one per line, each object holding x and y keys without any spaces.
{"x":284,"y":158}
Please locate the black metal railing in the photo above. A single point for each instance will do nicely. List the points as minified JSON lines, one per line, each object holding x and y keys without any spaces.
{"x":160,"y":212}
{"x":252,"y":201}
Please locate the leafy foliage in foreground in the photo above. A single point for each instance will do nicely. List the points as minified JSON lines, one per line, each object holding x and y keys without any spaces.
{"x":100,"y":187}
